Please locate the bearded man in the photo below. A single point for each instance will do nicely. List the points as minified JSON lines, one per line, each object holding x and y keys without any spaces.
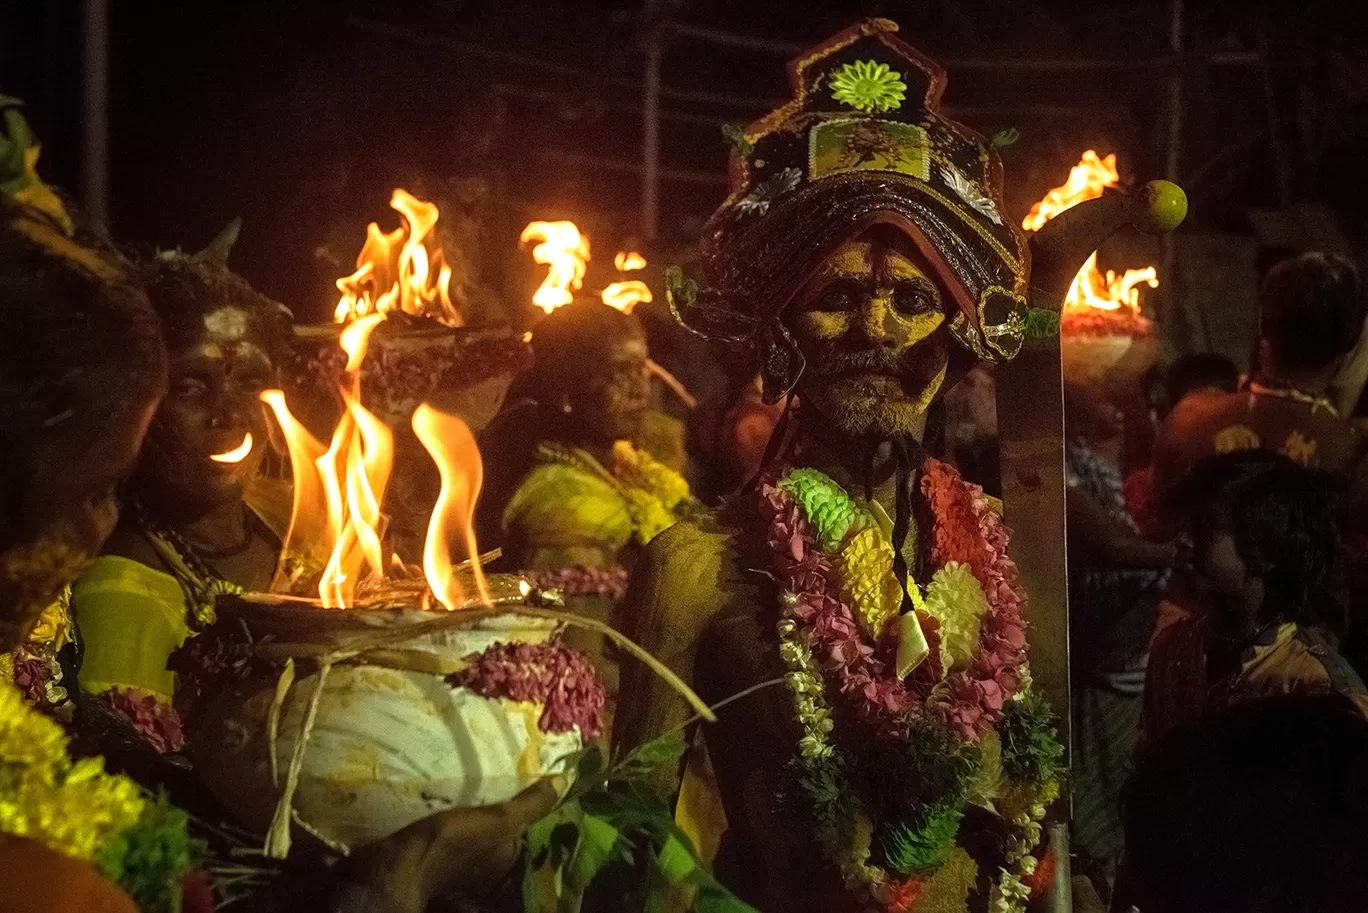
{"x":895,"y":755}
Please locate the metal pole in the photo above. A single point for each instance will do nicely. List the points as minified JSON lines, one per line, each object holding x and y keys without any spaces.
{"x":1174,"y":313}
{"x":97,"y":114}
{"x":650,"y":137}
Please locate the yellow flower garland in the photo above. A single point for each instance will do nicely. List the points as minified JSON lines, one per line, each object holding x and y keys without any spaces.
{"x":73,"y":808}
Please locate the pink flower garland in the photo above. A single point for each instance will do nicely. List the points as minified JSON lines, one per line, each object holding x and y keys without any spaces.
{"x":835,"y":636}
{"x":972,"y":700}
{"x":155,"y":721}
{"x":579,"y":580}
{"x":561,"y":679}
{"x":967,"y":530}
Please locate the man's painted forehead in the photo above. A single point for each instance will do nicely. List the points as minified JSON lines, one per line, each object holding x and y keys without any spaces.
{"x":866,"y":256}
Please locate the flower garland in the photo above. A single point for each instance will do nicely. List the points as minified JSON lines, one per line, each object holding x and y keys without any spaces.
{"x":553,"y":675}
{"x":840,"y":637}
{"x":34,"y":667}
{"x":150,"y":717}
{"x":79,"y":810}
{"x":580,"y":580}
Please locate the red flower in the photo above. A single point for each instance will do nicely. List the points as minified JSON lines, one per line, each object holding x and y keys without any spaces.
{"x":562,"y":680}
{"x":156,"y":722}
{"x":1043,"y":877}
{"x":905,"y":894}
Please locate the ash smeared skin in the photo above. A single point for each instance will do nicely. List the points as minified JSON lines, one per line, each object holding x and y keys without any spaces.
{"x":870,"y":323}
{"x":227,"y":324}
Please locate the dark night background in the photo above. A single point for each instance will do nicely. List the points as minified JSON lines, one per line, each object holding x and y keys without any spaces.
{"x":302,"y":116}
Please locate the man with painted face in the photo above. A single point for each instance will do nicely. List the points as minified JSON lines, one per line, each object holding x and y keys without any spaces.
{"x":191,"y":530}
{"x":890,"y":752}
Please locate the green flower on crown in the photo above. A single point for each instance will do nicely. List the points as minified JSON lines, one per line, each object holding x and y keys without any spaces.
{"x":868,"y":86}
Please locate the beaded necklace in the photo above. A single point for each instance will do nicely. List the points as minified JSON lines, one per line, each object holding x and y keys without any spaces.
{"x":1292,"y":393}
{"x":200,"y":582}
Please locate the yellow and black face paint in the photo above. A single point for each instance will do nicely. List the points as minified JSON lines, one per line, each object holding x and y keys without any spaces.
{"x":868,"y":326}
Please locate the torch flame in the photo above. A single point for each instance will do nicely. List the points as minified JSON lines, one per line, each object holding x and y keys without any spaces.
{"x":338,"y":522}
{"x":626,"y":295}
{"x":1091,"y":290}
{"x":237,"y":454}
{"x":402,"y":270}
{"x":561,"y":247}
{"x":1086,"y":181}
{"x":628,"y":261}
{"x":338,"y":492}
{"x":453,"y":449}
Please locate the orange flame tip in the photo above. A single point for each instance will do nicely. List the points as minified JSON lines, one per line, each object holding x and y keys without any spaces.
{"x":629,"y":261}
{"x":626,"y":295}
{"x":1086,"y":181}
{"x":397,"y":271}
{"x":561,"y":247}
{"x":237,"y":454}
{"x":452,"y":447}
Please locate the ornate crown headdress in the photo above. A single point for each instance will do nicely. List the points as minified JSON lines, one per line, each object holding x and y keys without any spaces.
{"x":861,"y":143}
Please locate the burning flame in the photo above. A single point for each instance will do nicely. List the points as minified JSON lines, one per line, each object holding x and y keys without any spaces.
{"x":338,"y":521}
{"x":402,"y":270}
{"x":237,"y":454}
{"x":1086,"y":181}
{"x":1091,"y":290}
{"x":627,"y":294}
{"x":628,"y":261}
{"x":561,"y":247}
{"x":452,"y":446}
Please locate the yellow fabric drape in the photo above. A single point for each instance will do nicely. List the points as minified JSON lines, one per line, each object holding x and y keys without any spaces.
{"x":131,"y":618}
{"x":560,"y":508}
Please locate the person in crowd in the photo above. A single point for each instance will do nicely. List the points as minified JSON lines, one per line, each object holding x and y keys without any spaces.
{"x":190,"y":531}
{"x":1311,"y":314}
{"x":745,"y":434}
{"x":1199,"y":374}
{"x":1259,"y":807}
{"x":1267,"y":612}
{"x":1115,"y":577}
{"x":590,"y":500}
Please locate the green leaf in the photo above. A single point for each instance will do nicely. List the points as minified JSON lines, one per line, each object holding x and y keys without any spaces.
{"x":598,"y":840}
{"x":150,"y":859}
{"x":1041,"y":323}
{"x":1004,"y":139}
{"x":1031,"y":750}
{"x":670,"y":883}
{"x":735,"y":135}
{"x":591,"y":771}
{"x":657,"y":753}
{"x":682,"y":290}
{"x":9,"y":101}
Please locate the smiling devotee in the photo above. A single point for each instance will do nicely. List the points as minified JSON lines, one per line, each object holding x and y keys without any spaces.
{"x":190,"y":531}
{"x":896,"y":756}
